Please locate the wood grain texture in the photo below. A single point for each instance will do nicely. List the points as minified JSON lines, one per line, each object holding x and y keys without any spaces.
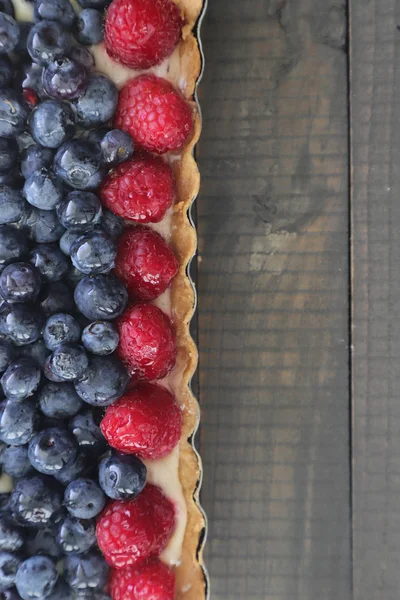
{"x":375,"y":121}
{"x":273,"y":300}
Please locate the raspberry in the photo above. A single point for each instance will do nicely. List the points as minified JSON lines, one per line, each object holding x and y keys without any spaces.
{"x":144,"y":263}
{"x":129,"y":531}
{"x":151,"y":580}
{"x":140,"y":190}
{"x":145,"y":422}
{"x":141,"y":33}
{"x":146,"y":342}
{"x":155,"y":114}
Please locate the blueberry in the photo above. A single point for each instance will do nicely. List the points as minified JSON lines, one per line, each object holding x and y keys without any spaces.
{"x":94,"y":135}
{"x":59,"y":329}
{"x":36,"y":578}
{"x":11,"y":177}
{"x":49,"y":261}
{"x":79,"y":468}
{"x":8,"y":152}
{"x":78,"y":163}
{"x":43,"y":190}
{"x":58,"y":400}
{"x":82,"y":55}
{"x":6,"y":6}
{"x":61,"y":591}
{"x":42,"y":226}
{"x":101,"y":297}
{"x":93,"y":253}
{"x":116,"y":147}
{"x":122,"y":476}
{"x":74,"y":276}
{"x":6,"y":71}
{"x":112,"y":224}
{"x":4,"y":501}
{"x":79,"y":209}
{"x":20,"y":282}
{"x":97,"y":105}
{"x":9,"y":33}
{"x":10,"y":594}
{"x":22,"y":323}
{"x":90,"y":28}
{"x":21,"y":379}
{"x":52,"y":123}
{"x":12,"y":204}
{"x":36,"y":351}
{"x":17,"y":422}
{"x":75,"y":536}
{"x":47,"y":40}
{"x":86,"y":571}
{"x":52,"y":449}
{"x":15,"y":463}
{"x":9,"y":564}
{"x":35,"y":501}
{"x":68,"y":238}
{"x":6,"y":354}
{"x":103,"y":382}
{"x":86,"y":430}
{"x":11,"y":538}
{"x":56,"y":298}
{"x":84,"y":498}
{"x":100,"y":337}
{"x":68,"y":362}
{"x":42,"y":541}
{"x":54,"y":10}
{"x":13,"y":114}
{"x":64,"y":79}
{"x":31,"y":78}
{"x":34,"y":158}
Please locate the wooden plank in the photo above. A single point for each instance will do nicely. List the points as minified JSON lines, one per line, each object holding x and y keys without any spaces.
{"x":273,"y":300}
{"x":375,"y":109}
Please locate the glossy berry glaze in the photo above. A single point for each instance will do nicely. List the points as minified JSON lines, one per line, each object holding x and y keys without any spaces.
{"x":79,"y":327}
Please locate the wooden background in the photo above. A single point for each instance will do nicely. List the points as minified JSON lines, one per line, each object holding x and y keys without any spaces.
{"x":299,"y":298}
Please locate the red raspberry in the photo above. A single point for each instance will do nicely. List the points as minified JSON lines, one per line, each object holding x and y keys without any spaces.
{"x":146,"y":422}
{"x":140,"y":190}
{"x":144,"y":263}
{"x":151,"y":580}
{"x":146,"y":342}
{"x":141,"y":33}
{"x":155,"y":114}
{"x":129,"y":531}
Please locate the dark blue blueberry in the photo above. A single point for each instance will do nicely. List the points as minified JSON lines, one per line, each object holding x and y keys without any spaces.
{"x":31,"y":76}
{"x":75,"y":536}
{"x":101,"y":297}
{"x":21,"y":49}
{"x":79,"y":210}
{"x":36,"y":578}
{"x":59,"y":329}
{"x":13,"y":114}
{"x":116,"y":147}
{"x":54,"y":10}
{"x":86,"y":571}
{"x":9,"y":33}
{"x":34,"y":501}
{"x":56,"y":298}
{"x":85,"y":428}
{"x":100,"y":337}
{"x":22,"y":323}
{"x":84,"y":499}
{"x":42,"y":541}
{"x":8,"y":151}
{"x":122,"y":476}
{"x":68,"y":362}
{"x":42,"y":226}
{"x":64,"y":79}
{"x":11,"y":177}
{"x":58,"y":400}
{"x":94,"y":135}
{"x":103,"y":382}
{"x":21,"y":379}
{"x":94,"y":3}
{"x":52,"y":449}
{"x":43,"y":190}
{"x":93,"y":253}
{"x":15,"y":463}
{"x":47,"y":40}
{"x":49,"y":261}
{"x":20,"y":282}
{"x":90,"y":26}
{"x":9,"y":564}
{"x":112,"y":224}
{"x":52,"y":123}
{"x":6,"y":6}
{"x":10,"y":594}
{"x":17,"y":422}
{"x":78,"y":163}
{"x":36,"y":351}
{"x":6,"y":354}
{"x":82,"y":55}
{"x":12,"y":204}
{"x":68,"y":238}
{"x":11,"y":538}
{"x":79,"y":468}
{"x":6,"y":72}
{"x":61,"y":591}
{"x":48,"y":373}
{"x":34,"y":158}
{"x":97,"y":105}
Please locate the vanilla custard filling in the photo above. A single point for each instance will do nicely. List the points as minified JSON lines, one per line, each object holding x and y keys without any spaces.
{"x":164,"y":472}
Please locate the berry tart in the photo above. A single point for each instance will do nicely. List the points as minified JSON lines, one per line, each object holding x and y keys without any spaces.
{"x":99,"y":491}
